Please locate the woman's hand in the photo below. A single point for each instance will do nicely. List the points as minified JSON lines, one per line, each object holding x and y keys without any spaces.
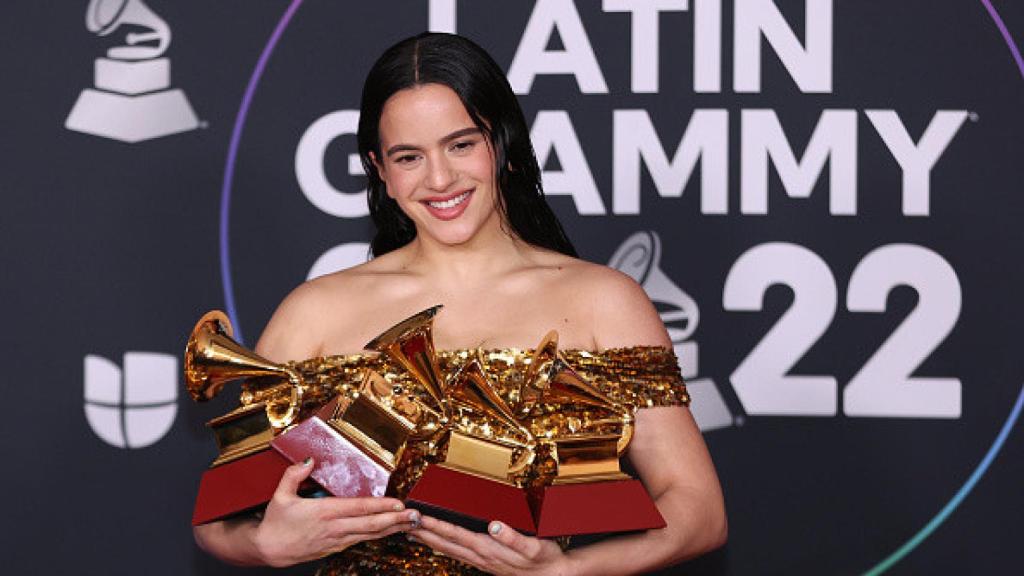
{"x":501,"y":551}
{"x":296,"y":529}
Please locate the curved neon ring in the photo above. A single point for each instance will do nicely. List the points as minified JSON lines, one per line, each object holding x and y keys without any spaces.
{"x":1011,"y":420}
{"x":229,"y":166}
{"x":962,"y":493}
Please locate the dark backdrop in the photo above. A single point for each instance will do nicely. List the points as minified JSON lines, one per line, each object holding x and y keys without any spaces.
{"x":846,"y":314}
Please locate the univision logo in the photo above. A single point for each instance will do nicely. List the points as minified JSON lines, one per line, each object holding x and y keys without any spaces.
{"x":134,"y":407}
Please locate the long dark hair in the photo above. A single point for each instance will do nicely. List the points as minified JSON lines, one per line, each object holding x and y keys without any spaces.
{"x":458,"y":63}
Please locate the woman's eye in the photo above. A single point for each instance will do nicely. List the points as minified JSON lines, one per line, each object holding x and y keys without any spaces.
{"x":463,"y":146}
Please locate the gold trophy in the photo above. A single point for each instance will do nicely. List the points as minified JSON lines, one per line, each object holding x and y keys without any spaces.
{"x":589,"y":492}
{"x":356,"y":441}
{"x":489,"y":453}
{"x":246,"y":471}
{"x":474,"y":483}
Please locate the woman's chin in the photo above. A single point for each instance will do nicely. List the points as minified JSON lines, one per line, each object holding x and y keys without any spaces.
{"x":454,"y":235}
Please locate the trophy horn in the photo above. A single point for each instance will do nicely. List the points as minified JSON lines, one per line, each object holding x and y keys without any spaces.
{"x":551,"y":379}
{"x":535,"y":378}
{"x":471,"y":388}
{"x":213,"y":358}
{"x":102,"y":17}
{"x":411,"y":344}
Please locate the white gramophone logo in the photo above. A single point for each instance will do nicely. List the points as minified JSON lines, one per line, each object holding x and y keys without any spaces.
{"x":132,"y":100}
{"x":640,"y":257}
{"x":132,"y":407}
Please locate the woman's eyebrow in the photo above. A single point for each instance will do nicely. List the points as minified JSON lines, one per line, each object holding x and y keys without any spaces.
{"x":400,"y":148}
{"x":444,"y":140}
{"x":459,"y":134}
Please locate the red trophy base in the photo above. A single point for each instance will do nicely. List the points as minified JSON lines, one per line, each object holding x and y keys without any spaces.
{"x":340,"y":467}
{"x":238,"y":486}
{"x":470,"y":501}
{"x":596,"y":508}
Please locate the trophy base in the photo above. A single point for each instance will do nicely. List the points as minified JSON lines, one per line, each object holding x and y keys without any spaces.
{"x":131,"y":118}
{"x":470,"y":501}
{"x":596,"y":508}
{"x":238,"y":486}
{"x":339,"y":466}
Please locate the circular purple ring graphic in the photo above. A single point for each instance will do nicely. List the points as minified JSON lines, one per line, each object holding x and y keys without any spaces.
{"x":229,"y":166}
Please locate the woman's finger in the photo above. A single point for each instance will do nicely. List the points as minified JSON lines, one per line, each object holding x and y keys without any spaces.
{"x":293,"y":476}
{"x":529,"y":548}
{"x":482,"y":546}
{"x":364,"y":506}
{"x":447,"y":529}
{"x":354,"y":538}
{"x":374,"y":523}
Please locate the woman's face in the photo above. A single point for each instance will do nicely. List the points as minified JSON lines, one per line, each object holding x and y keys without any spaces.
{"x":437,"y":164}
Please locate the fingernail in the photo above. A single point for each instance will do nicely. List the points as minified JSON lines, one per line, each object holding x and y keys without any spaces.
{"x":398,"y":507}
{"x":307,"y":461}
{"x":411,"y":538}
{"x":414,"y":517}
{"x":494,"y":528}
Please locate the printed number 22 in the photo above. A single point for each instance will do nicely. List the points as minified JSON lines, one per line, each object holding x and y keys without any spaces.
{"x":884,"y":385}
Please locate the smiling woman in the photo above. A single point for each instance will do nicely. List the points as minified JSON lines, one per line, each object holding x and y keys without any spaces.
{"x":441,"y":172}
{"x":485,"y":102}
{"x":455,"y":192}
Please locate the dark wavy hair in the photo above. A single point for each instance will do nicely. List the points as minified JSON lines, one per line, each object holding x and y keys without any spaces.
{"x":459,"y":64}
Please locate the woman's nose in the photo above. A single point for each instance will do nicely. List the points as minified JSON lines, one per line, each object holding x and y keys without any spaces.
{"x":441,"y":175}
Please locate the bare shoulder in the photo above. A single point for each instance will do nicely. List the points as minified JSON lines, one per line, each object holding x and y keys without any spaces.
{"x":623,"y":314}
{"x":620,"y":312}
{"x":304,"y":321}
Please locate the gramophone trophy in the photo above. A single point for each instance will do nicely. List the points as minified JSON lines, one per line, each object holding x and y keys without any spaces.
{"x":589,"y":493}
{"x":349,"y":437}
{"x":474,"y":483}
{"x":132,"y":99}
{"x":246,"y":472}
{"x":472,"y":486}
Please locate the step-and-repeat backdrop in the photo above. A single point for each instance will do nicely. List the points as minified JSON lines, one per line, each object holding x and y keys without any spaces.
{"x":822,"y":197}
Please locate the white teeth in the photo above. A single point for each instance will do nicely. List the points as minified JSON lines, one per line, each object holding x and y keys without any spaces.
{"x":449,"y":203}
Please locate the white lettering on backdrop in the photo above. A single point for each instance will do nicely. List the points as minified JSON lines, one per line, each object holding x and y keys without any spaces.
{"x":762,"y":380}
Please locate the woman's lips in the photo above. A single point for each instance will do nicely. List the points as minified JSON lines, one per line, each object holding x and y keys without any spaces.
{"x":448,"y":208}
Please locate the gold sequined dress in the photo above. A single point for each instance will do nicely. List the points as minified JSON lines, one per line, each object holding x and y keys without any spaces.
{"x":638,"y":377}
